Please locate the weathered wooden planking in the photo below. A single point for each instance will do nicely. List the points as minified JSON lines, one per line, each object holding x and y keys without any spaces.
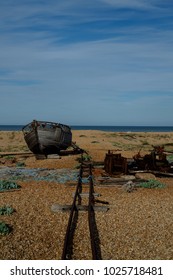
{"x":57,"y":207}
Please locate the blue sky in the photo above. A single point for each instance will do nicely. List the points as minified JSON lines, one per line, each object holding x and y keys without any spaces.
{"x":94,"y":62}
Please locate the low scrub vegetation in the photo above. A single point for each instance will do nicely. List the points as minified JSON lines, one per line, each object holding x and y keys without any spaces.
{"x":4,"y":228}
{"x":152,"y":184}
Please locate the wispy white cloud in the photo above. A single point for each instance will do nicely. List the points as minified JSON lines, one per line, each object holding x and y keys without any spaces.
{"x":137,"y":4}
{"x":95,"y":54}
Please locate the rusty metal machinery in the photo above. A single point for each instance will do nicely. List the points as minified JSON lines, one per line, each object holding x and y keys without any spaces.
{"x":156,"y":160}
{"x":115,"y":163}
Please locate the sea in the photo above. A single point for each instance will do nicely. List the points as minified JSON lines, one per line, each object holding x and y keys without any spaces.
{"x":102,"y":128}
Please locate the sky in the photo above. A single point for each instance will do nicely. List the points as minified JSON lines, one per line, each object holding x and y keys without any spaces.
{"x":94,"y":62}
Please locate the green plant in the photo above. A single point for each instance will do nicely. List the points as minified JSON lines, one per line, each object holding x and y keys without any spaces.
{"x":152,"y":184}
{"x":86,"y":157}
{"x":6,"y":210}
{"x":169,"y":158}
{"x":20,"y":164}
{"x":9,"y":157}
{"x":7,"y":185}
{"x":129,"y":136}
{"x":4,"y":228}
{"x":145,"y":143}
{"x":117,"y":144}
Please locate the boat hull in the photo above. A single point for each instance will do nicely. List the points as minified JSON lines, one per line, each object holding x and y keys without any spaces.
{"x":47,"y":137}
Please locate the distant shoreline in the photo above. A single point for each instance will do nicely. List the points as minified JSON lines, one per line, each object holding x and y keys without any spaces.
{"x":102,"y":128}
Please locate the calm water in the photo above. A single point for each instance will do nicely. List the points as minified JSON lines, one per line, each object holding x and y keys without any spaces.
{"x":103,"y":128}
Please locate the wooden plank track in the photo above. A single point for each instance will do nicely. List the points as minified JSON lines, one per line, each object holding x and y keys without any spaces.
{"x":72,"y":240}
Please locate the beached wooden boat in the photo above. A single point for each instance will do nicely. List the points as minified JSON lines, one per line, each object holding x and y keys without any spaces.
{"x":44,"y":138}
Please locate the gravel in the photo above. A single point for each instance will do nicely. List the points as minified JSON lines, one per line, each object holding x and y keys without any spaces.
{"x":138,"y":225}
